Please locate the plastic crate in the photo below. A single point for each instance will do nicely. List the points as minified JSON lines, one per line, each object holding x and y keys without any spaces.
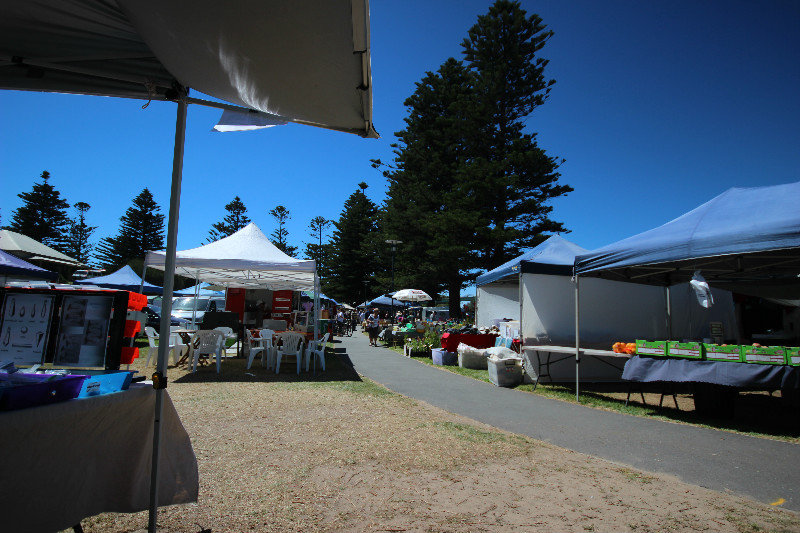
{"x":19,"y":390}
{"x":685,"y":350}
{"x":136,"y":301}
{"x":106,"y":383}
{"x":764,"y":355}
{"x":129,"y":353}
{"x":505,"y":372}
{"x":132,"y":327}
{"x":655,"y":348}
{"x":443,"y":357}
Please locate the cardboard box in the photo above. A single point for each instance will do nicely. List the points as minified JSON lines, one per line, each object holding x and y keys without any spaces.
{"x":793,"y":355}
{"x":656,"y":348}
{"x":685,"y":350}
{"x":731,"y":352}
{"x":764,"y":355}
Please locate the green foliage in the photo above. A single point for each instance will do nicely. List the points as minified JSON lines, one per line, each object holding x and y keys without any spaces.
{"x":77,"y":242}
{"x":281,"y":234}
{"x":142,"y":230}
{"x":43,"y":215}
{"x":353,"y":258}
{"x":318,"y":251}
{"x":235,"y":220}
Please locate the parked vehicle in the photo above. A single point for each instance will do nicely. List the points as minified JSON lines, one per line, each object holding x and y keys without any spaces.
{"x":185,"y":307}
{"x":154,"y":318}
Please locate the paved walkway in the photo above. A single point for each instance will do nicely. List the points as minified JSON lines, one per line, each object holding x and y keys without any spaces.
{"x":761,"y":469}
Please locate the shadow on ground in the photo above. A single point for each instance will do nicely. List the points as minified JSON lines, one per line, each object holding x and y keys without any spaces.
{"x":338,"y":367}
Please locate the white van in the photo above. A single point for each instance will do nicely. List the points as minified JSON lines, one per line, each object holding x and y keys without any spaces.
{"x":184,"y":307}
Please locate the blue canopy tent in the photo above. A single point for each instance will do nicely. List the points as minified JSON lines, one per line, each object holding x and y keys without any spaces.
{"x":387,"y":301}
{"x":745,"y":240}
{"x":124,"y":279}
{"x":556,"y":254}
{"x":199,"y":290}
{"x":11,"y":266}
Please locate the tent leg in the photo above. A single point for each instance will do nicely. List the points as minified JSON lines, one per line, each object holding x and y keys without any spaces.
{"x":144,"y":271}
{"x":669,"y":312}
{"x":577,"y":339}
{"x":166,"y":303}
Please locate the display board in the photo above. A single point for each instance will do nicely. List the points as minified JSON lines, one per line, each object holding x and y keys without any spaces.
{"x":62,"y":328}
{"x":25,"y":328}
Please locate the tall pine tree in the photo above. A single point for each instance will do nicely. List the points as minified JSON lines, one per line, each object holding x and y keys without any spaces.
{"x":353,"y":259}
{"x":281,"y":235}
{"x":78,"y":245}
{"x":142,"y":230}
{"x":503,"y":52}
{"x":235,"y":220}
{"x":318,"y":250}
{"x":430,"y":205}
{"x":43,"y":215}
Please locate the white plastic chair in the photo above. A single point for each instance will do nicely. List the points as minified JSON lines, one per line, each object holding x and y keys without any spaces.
{"x":228,"y":333}
{"x":262,"y":345}
{"x":317,"y":348}
{"x":292,"y":346}
{"x":208,"y":342}
{"x":175,"y":344}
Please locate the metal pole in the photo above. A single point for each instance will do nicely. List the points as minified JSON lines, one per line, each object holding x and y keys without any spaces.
{"x":144,"y":271}
{"x":669,"y":312}
{"x":577,"y":338}
{"x":159,"y":383}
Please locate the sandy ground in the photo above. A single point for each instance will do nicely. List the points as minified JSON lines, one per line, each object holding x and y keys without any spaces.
{"x":340,"y":454}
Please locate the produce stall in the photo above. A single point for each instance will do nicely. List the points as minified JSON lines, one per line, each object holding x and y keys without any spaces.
{"x":745,"y":240}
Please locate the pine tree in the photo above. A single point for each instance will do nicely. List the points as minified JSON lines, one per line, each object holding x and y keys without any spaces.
{"x":281,"y":234}
{"x":43,"y":215}
{"x":142,"y":230}
{"x":318,"y":251}
{"x":503,"y":52}
{"x":235,"y":220}
{"x":353,"y":258}
{"x":79,"y":234}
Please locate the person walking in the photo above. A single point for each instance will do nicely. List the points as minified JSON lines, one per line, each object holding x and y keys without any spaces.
{"x":373,"y":327}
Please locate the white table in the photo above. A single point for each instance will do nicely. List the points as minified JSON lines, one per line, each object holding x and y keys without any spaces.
{"x":569,"y":352}
{"x":71,"y":460}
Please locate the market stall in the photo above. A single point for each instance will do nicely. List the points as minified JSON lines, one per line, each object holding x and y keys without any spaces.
{"x":745,"y":240}
{"x":13,"y":268}
{"x":539,"y":285}
{"x":124,"y":279}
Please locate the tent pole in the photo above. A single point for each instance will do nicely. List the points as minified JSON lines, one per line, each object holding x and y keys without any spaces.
{"x":577,"y":338}
{"x":160,"y":383}
{"x":144,"y":271}
{"x":669,"y":312}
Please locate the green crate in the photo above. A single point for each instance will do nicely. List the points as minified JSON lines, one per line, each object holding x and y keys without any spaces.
{"x":715,"y":352}
{"x":764,"y":355}
{"x":685,"y":350}
{"x":793,"y":355}
{"x":655,"y":348}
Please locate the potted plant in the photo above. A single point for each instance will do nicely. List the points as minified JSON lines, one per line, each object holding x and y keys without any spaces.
{"x":417,"y":347}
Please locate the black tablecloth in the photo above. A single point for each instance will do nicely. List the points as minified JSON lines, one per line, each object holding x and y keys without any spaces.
{"x":744,"y":375}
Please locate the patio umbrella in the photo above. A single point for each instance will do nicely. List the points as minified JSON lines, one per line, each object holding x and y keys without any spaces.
{"x":411,"y":295}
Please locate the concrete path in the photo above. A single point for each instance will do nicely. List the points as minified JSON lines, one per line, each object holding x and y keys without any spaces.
{"x":761,"y":469}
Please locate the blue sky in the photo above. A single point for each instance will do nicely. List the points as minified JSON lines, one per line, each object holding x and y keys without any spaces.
{"x":657,"y":107}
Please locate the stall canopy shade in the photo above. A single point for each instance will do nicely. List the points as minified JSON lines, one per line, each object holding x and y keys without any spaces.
{"x":14,"y":266}
{"x":556,"y":255}
{"x":306,"y":61}
{"x":25,"y":247}
{"x":246,"y":259}
{"x":124,"y":279}
{"x":743,"y":238}
{"x":201,"y":289}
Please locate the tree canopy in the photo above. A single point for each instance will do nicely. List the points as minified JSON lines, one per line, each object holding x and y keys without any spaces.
{"x":142,"y":230}
{"x":281,"y":235}
{"x":77,"y":242}
{"x":235,"y":220}
{"x":43,"y":215}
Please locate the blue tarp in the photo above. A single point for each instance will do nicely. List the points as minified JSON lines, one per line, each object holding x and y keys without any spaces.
{"x":124,"y":279}
{"x":189,"y":291}
{"x":743,"y":237}
{"x":555,"y":251}
{"x":14,"y":266}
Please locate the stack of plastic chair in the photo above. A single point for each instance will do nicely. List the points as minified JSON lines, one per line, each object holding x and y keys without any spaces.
{"x":208,"y":342}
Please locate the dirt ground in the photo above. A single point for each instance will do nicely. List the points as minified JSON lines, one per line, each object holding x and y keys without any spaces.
{"x":338,"y":453}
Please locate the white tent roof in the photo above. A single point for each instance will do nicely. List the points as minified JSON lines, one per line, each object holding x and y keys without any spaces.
{"x":307,"y":61}
{"x":245,"y":259}
{"x":23,"y":245}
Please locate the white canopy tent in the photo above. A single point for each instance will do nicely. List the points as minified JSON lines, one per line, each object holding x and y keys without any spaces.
{"x":30,"y":249}
{"x":306,"y":62}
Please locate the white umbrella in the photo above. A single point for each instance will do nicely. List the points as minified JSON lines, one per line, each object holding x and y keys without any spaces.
{"x":411,"y":295}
